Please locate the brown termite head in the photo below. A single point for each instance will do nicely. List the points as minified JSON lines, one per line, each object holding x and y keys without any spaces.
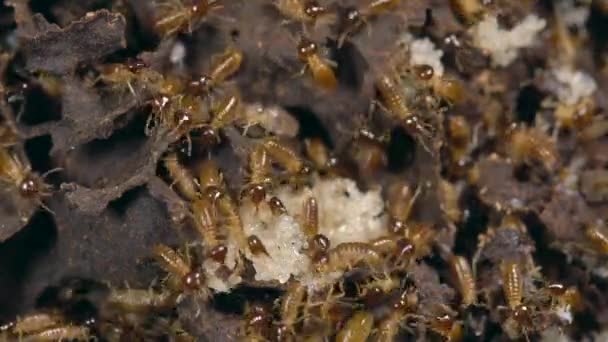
{"x":423,"y":72}
{"x":259,"y":174}
{"x":276,"y":206}
{"x":463,"y":277}
{"x":313,"y":9}
{"x":256,"y":246}
{"x":218,"y":253}
{"x":258,"y":318}
{"x":322,"y":73}
{"x":319,"y":243}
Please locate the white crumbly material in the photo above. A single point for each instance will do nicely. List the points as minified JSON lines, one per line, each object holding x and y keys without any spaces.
{"x":210,"y":267}
{"x":423,"y":51}
{"x":284,"y":241}
{"x":573,"y":85}
{"x":503,"y":45}
{"x":345,"y":213}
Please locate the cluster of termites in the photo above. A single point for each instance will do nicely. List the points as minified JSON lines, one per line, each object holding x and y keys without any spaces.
{"x":415,"y":278}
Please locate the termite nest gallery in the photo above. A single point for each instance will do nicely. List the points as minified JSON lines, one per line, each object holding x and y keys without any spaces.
{"x":303,"y":170}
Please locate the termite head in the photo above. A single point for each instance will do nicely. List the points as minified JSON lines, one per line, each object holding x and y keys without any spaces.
{"x":32,"y":186}
{"x":423,"y":72}
{"x":313,"y":9}
{"x":256,"y":246}
{"x":212,"y":193}
{"x":256,"y":193}
{"x":276,"y":206}
{"x":306,"y":49}
{"x":218,"y":253}
{"x":200,"y":86}
{"x":522,"y":314}
{"x":208,"y":136}
{"x":135,"y":64}
{"x":194,"y":280}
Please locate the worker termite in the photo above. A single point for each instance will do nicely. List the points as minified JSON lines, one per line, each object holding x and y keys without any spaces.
{"x":369,"y":154}
{"x":29,"y":184}
{"x":513,"y":289}
{"x":401,"y":200}
{"x":357,"y":329}
{"x":189,"y":279}
{"x":287,"y":158}
{"x":276,"y":206}
{"x":140,"y":300}
{"x":205,"y":224}
{"x":304,"y":11}
{"x":598,"y":238}
{"x":448,"y":327}
{"x":449,"y":196}
{"x":291,"y":303}
{"x":272,"y":118}
{"x":62,"y":333}
{"x":126,"y":76}
{"x":531,"y":146}
{"x":348,"y":255}
{"x":258,"y":318}
{"x":211,"y":180}
{"x":174,"y":16}
{"x":182,"y":178}
{"x":322,"y":73}
{"x":223,"y":115}
{"x":358,"y":17}
{"x":575,"y":117}
{"x":396,"y":105}
{"x":34,"y":322}
{"x":259,"y":174}
{"x":463,"y":277}
{"x":223,"y":66}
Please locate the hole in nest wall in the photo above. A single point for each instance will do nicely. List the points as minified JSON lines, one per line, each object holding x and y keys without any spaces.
{"x":37,"y":150}
{"x":39,"y":108}
{"x":310,"y":125}
{"x":21,"y":252}
{"x":401,"y":150}
{"x":351,"y":66}
{"x":474,"y":223}
{"x":528,"y":103}
{"x":122,"y":204}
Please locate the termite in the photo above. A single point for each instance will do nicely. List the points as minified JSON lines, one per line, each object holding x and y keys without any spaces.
{"x":190,"y":279}
{"x":357,"y":329}
{"x":322,"y":73}
{"x":286,"y":157}
{"x":310,"y":217}
{"x":211,"y":180}
{"x":598,"y":238}
{"x":318,"y":153}
{"x":62,"y":333}
{"x":318,"y":246}
{"x":529,"y":145}
{"x":395,"y":103}
{"x":291,"y":302}
{"x":258,"y":318}
{"x":463,"y":277}
{"x":576,"y":117}
{"x":140,"y":300}
{"x":226,"y":112}
{"x":357,"y":17}
{"x":304,"y":11}
{"x":401,"y":199}
{"x":29,"y":184}
{"x":223,"y":66}
{"x":36,"y":322}
{"x":205,"y":224}
{"x":182,"y":178}
{"x":348,"y":255}
{"x":259,"y":174}
{"x":232,"y":222}
{"x":174,"y":16}
{"x":124,"y":76}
